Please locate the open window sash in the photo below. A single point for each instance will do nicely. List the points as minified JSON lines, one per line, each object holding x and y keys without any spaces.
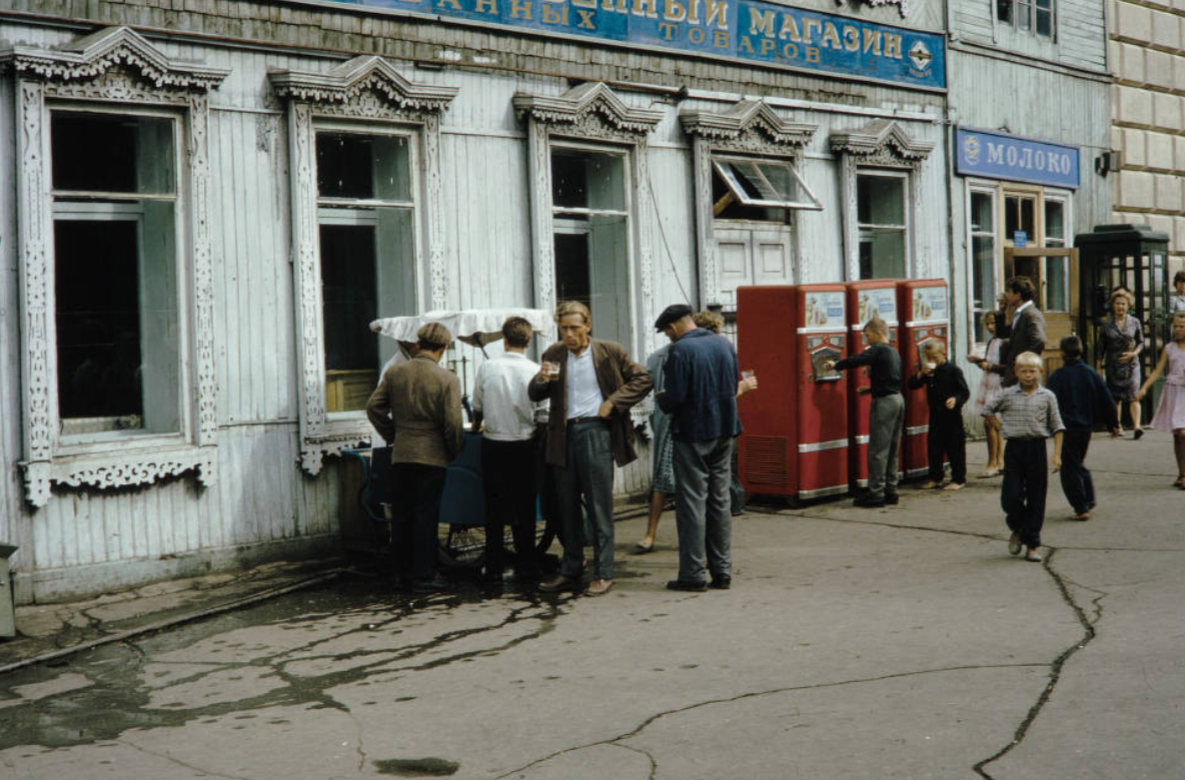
{"x":771,"y":184}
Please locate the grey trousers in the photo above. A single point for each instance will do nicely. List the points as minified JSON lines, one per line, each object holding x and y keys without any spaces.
{"x":589,"y":474}
{"x":703,"y":473}
{"x":885,"y":423}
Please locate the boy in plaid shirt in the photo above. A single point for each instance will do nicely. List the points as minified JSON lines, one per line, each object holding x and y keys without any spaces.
{"x":1028,"y":414}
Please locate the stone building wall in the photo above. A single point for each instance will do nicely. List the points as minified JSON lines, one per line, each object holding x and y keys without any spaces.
{"x":1147,"y":52}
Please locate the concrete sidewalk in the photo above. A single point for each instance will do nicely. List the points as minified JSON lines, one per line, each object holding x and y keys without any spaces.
{"x":894,"y":643}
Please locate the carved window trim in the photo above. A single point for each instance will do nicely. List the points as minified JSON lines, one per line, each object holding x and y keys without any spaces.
{"x":365,"y":90}
{"x":882,"y":144}
{"x":751,"y":128}
{"x":590,"y":114}
{"x":112,"y":68}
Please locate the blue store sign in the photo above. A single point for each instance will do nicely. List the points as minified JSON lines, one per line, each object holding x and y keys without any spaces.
{"x":747,"y":30}
{"x":996,"y":155}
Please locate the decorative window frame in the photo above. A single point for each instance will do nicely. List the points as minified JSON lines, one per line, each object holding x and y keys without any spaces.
{"x":881,"y":144}
{"x":750,"y":127}
{"x":113,"y":67}
{"x":365,"y":89}
{"x":590,"y":113}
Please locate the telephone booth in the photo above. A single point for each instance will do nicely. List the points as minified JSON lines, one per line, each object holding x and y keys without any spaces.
{"x":1134,"y":257}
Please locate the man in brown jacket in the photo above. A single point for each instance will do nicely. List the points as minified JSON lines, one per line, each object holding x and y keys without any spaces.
{"x":417,"y":405}
{"x":592,"y":385}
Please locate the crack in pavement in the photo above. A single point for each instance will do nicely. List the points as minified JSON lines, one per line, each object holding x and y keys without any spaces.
{"x":117,"y":691}
{"x":1063,"y":585}
{"x":177,"y":761}
{"x":1055,"y":671}
{"x":612,"y":741}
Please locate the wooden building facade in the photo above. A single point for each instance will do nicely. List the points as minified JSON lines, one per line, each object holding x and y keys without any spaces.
{"x":1029,"y":110}
{"x":202,"y":205}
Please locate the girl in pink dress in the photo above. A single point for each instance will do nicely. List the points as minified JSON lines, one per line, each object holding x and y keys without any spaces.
{"x":989,"y":388}
{"x":1170,"y":413}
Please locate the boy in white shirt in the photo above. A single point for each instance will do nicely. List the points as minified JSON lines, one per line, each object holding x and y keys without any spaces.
{"x":507,"y":418}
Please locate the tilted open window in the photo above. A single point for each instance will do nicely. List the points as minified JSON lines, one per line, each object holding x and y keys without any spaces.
{"x":768,"y":183}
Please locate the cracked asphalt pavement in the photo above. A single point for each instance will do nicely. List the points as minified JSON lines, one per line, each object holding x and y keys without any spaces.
{"x":854,"y":644}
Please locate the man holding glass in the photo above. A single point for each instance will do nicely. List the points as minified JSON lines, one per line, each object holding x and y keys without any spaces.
{"x":591,"y":385}
{"x":700,"y":385}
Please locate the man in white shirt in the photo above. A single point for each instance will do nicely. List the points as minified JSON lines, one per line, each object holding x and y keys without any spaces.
{"x":507,"y":417}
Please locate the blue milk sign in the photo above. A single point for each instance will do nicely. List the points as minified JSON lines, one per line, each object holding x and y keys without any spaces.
{"x":749,"y":30}
{"x":996,"y":155}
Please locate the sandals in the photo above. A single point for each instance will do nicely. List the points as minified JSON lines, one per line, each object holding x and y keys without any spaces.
{"x":954,"y":486}
{"x":988,"y":474}
{"x":642,"y":549}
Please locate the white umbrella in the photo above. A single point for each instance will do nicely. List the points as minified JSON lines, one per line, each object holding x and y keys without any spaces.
{"x":476,"y":327}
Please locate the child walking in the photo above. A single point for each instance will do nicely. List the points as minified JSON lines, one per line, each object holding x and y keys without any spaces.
{"x":1029,"y":415}
{"x":1081,"y":396}
{"x":1170,"y":413}
{"x":946,"y":392}
{"x":989,"y":388}
{"x":887,"y":416}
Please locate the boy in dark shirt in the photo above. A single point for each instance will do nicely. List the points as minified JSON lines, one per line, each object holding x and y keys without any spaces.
{"x":1081,"y":396}
{"x":946,"y":392}
{"x":887,"y":415}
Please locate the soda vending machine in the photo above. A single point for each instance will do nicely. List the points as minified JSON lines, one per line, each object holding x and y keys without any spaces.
{"x":795,"y":438}
{"x":873,"y":297}
{"x":925,"y":315}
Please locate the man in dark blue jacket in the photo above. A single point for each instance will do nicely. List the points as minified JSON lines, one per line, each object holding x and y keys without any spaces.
{"x":1081,"y":394}
{"x":699,"y":392}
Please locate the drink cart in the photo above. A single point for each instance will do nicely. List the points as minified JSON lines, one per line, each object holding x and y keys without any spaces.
{"x":462,"y":505}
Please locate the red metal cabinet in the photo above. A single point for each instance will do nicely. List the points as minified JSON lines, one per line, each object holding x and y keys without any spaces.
{"x":795,"y":438}
{"x":924,"y":308}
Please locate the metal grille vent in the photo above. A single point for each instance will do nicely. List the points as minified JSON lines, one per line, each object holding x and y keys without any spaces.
{"x":765,"y":460}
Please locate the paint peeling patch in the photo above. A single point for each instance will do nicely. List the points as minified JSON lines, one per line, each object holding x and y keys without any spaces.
{"x":416,"y":767}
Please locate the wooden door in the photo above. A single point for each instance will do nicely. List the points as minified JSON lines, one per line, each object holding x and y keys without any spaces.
{"x":1054,"y":271}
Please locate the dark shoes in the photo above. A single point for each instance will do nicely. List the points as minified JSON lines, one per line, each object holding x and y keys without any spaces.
{"x":560,"y":582}
{"x":869,"y":501}
{"x":891,"y":499}
{"x":721,"y":582}
{"x":691,"y":587}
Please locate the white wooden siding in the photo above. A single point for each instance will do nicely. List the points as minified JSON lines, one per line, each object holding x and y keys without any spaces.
{"x":86,"y":540}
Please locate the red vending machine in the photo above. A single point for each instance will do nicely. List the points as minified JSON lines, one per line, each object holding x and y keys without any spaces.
{"x":865,"y":299}
{"x":925,"y":315}
{"x":795,"y":438}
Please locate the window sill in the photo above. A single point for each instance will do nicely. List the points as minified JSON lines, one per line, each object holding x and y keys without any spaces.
{"x":98,"y":466}
{"x":341,"y":431}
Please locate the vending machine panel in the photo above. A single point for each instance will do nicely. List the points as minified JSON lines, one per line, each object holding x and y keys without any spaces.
{"x":925,"y":308}
{"x":866,"y":299}
{"x":795,"y":440}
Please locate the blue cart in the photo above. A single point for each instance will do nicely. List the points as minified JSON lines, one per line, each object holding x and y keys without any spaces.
{"x":462,"y":536}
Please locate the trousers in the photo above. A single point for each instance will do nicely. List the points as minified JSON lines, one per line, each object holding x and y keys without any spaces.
{"x":415,"y":516}
{"x":1022,"y":496}
{"x":703,"y":516}
{"x":1077,"y":483}
{"x":508,"y":473}
{"x":946,"y":439}
{"x":885,"y":422}
{"x":589,"y":474}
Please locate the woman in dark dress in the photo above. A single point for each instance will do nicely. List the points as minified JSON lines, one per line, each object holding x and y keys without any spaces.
{"x":1118,"y":351}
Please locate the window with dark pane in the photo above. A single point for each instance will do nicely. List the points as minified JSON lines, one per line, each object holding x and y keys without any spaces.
{"x":366,"y":216}
{"x":117,"y":311}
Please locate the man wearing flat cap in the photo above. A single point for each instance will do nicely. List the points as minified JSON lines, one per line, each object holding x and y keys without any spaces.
{"x":700,"y":381}
{"x":417,"y":407}
{"x":591,"y":385}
